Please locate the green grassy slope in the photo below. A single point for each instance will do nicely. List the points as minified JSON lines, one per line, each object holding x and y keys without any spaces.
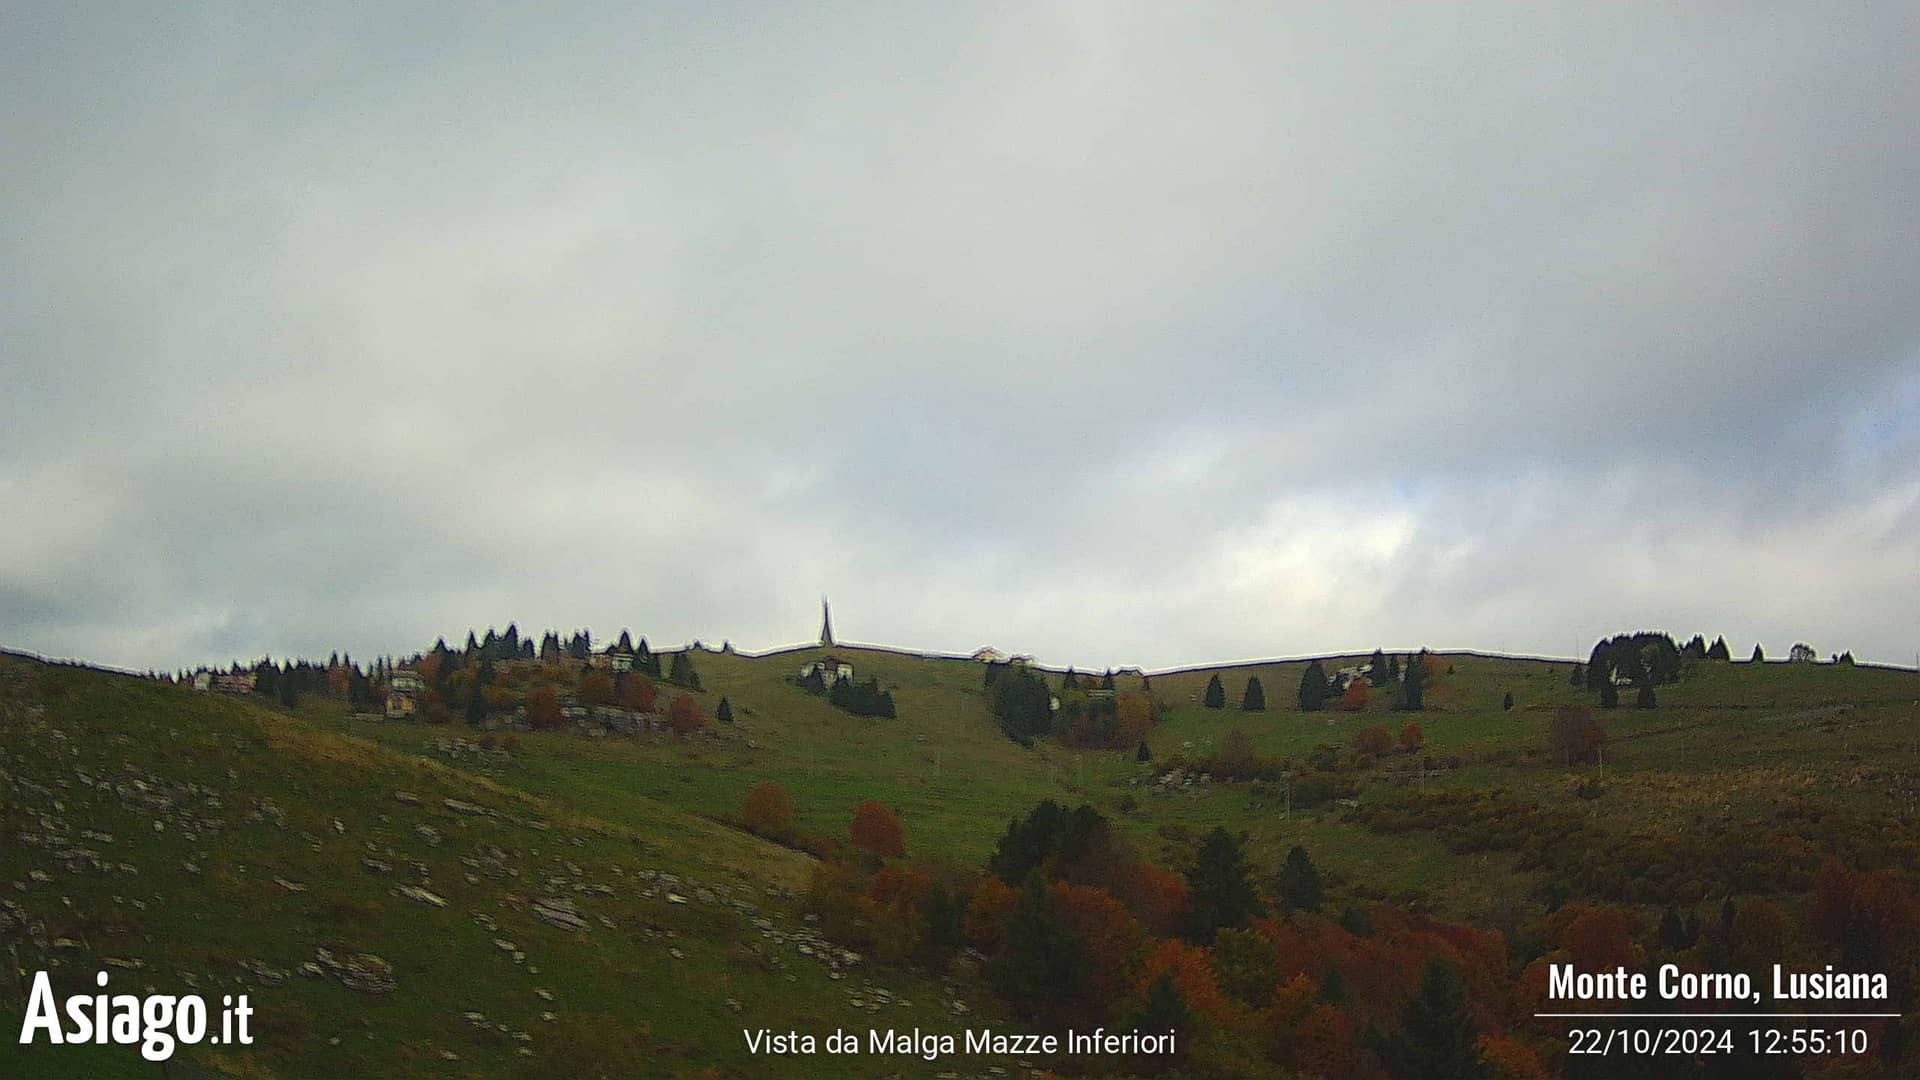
{"x":1724,"y":750}
{"x":1729,"y":732}
{"x":207,"y":844}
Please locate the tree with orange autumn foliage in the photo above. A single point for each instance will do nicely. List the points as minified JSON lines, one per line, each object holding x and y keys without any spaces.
{"x":877,"y":829}
{"x":543,"y":707}
{"x":1372,"y":740}
{"x":1509,"y":1059}
{"x":1192,"y":975}
{"x":1157,"y":897}
{"x":985,"y":923}
{"x":1412,"y":738}
{"x":768,"y":810}
{"x":1110,"y":937}
{"x":684,"y":715}
{"x":1354,"y":697}
{"x":637,"y":692}
{"x":1595,"y":938}
{"x":595,"y":688}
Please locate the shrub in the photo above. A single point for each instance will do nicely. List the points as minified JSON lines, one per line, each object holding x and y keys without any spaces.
{"x":1372,"y":740}
{"x":543,"y":707}
{"x":877,"y":829}
{"x":768,"y":810}
{"x":684,"y":715}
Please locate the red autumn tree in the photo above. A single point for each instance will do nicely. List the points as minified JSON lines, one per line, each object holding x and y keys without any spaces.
{"x":768,"y":810}
{"x":595,"y":688}
{"x":1110,"y":937}
{"x":637,"y":692}
{"x":985,"y":923}
{"x":877,"y":829}
{"x":1157,"y":897}
{"x":1372,"y":740}
{"x":684,"y":715}
{"x":1596,"y":938}
{"x":1354,"y":698}
{"x":1192,"y":976}
{"x":543,"y":707}
{"x":1412,"y":738}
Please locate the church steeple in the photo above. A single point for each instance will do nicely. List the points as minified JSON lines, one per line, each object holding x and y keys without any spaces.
{"x":826,"y":623}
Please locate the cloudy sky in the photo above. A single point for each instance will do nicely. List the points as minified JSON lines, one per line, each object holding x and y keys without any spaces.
{"x":1113,"y":333}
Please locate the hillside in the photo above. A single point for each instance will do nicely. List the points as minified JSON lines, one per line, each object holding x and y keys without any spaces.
{"x":195,"y":842}
{"x":224,"y":843}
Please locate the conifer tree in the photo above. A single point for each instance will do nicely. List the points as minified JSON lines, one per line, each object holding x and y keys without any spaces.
{"x":1106,"y":681}
{"x":1506,"y":703}
{"x":1644,"y":700}
{"x":1437,"y":1040}
{"x":1579,"y":676}
{"x":1312,"y":694}
{"x":1255,"y":699}
{"x":1377,"y":669}
{"x":1413,"y":683}
{"x":1609,"y":695}
{"x":1144,"y":753}
{"x":1216,"y":695}
{"x":1072,"y":680}
{"x":1300,"y":888}
{"x":724,"y":713}
{"x":1042,"y":961}
{"x":1718,"y":650}
{"x":1220,"y":892}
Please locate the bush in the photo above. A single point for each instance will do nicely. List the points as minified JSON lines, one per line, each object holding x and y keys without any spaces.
{"x":684,"y":715}
{"x":543,"y":707}
{"x":877,"y":829}
{"x":1373,"y":740}
{"x":768,"y":810}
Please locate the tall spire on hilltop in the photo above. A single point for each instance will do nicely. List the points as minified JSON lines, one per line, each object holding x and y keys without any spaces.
{"x":826,"y":623}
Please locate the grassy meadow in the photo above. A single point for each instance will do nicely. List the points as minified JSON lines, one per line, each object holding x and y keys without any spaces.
{"x":240,"y":838}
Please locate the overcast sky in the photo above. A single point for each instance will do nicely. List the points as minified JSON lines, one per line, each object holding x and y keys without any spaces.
{"x":1118,"y":334}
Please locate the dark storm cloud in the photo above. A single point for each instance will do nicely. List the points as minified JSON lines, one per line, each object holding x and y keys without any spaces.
{"x":1113,"y":334}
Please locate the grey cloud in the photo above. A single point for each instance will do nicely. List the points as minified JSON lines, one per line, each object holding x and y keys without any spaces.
{"x":1118,"y":334}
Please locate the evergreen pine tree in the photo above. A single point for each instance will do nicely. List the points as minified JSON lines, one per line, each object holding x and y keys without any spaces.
{"x":1300,"y":888}
{"x":1255,"y":699}
{"x":1609,"y":695}
{"x":289,"y":687}
{"x":1377,"y":669}
{"x":1216,"y":695}
{"x":1718,"y":650}
{"x":724,"y":713}
{"x":1437,"y":1040}
{"x":1313,"y":688}
{"x":1144,"y":754}
{"x":1644,"y":700}
{"x":1579,"y":676}
{"x":1165,"y":1011}
{"x":1106,"y":681}
{"x":1758,"y":657}
{"x":1220,"y":892}
{"x":1072,"y":681}
{"x":1672,"y":932}
{"x":1043,"y":962}
{"x":1413,"y":683}
{"x":1506,"y":703}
